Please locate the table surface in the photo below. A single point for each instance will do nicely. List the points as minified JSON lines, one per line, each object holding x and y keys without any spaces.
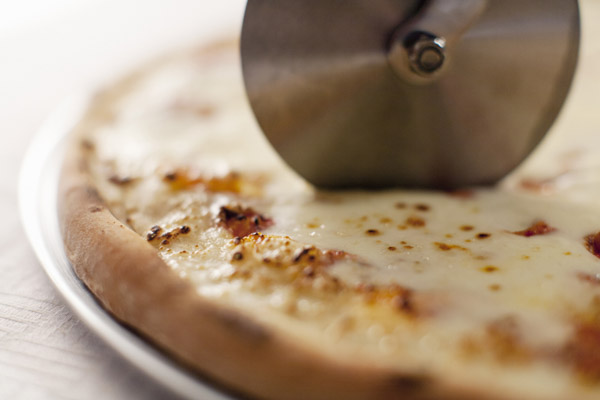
{"x":50,"y":49}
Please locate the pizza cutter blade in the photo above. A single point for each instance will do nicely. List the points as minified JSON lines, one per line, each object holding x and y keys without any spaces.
{"x":433,"y":93}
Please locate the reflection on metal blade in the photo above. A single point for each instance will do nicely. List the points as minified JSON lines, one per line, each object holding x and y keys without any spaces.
{"x":321,"y":84}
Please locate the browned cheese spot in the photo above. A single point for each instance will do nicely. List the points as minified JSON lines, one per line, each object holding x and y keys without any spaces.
{"x":540,"y":186}
{"x":372,"y":232}
{"x":396,"y":296}
{"x":504,"y":335}
{"x":502,"y":340}
{"x":233,"y":182}
{"x":415,"y":222}
{"x":483,"y":235}
{"x":296,"y":266}
{"x":443,"y":246}
{"x":156,"y":230}
{"x":489,"y":269}
{"x":422,"y":207}
{"x":448,"y":247}
{"x":467,"y":228}
{"x":537,"y":228}
{"x":594,"y":279}
{"x":582,"y":351}
{"x":592,"y":243}
{"x":311,"y":254}
{"x":242,"y":221}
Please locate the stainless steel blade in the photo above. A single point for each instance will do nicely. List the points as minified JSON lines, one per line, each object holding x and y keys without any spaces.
{"x":329,"y":87}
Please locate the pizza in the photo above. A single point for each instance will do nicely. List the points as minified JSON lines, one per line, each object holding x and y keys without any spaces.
{"x":187,"y":227}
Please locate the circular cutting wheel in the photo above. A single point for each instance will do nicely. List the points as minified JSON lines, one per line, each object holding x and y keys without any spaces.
{"x":357,"y":93}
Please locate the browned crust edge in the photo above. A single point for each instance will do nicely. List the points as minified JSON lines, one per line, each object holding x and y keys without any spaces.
{"x":135,"y":285}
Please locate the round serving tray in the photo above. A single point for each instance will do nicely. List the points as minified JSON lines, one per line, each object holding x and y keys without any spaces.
{"x":38,"y":186}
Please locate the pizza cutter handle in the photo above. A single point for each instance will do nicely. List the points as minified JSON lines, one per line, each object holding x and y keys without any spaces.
{"x":419,"y":49}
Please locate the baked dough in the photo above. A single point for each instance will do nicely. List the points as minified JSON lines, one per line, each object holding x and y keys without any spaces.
{"x":187,"y":227}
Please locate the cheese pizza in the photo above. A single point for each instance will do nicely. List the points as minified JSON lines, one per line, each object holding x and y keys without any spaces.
{"x":187,"y":227}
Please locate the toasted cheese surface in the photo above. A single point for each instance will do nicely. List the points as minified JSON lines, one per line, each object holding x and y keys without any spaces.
{"x":497,"y":286}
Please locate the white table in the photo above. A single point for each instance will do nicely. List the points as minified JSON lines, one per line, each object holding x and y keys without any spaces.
{"x":48,"y":50}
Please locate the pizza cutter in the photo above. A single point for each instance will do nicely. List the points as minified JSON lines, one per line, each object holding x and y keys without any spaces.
{"x":416,"y":93}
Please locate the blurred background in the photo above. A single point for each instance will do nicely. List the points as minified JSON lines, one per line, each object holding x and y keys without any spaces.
{"x":50,"y":48}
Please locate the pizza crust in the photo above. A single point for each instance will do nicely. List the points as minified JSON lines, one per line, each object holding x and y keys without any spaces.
{"x":135,"y":285}
{"x":242,"y":353}
{"x":132,"y":282}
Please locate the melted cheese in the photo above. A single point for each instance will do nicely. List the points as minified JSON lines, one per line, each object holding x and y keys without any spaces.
{"x":424,"y":281}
